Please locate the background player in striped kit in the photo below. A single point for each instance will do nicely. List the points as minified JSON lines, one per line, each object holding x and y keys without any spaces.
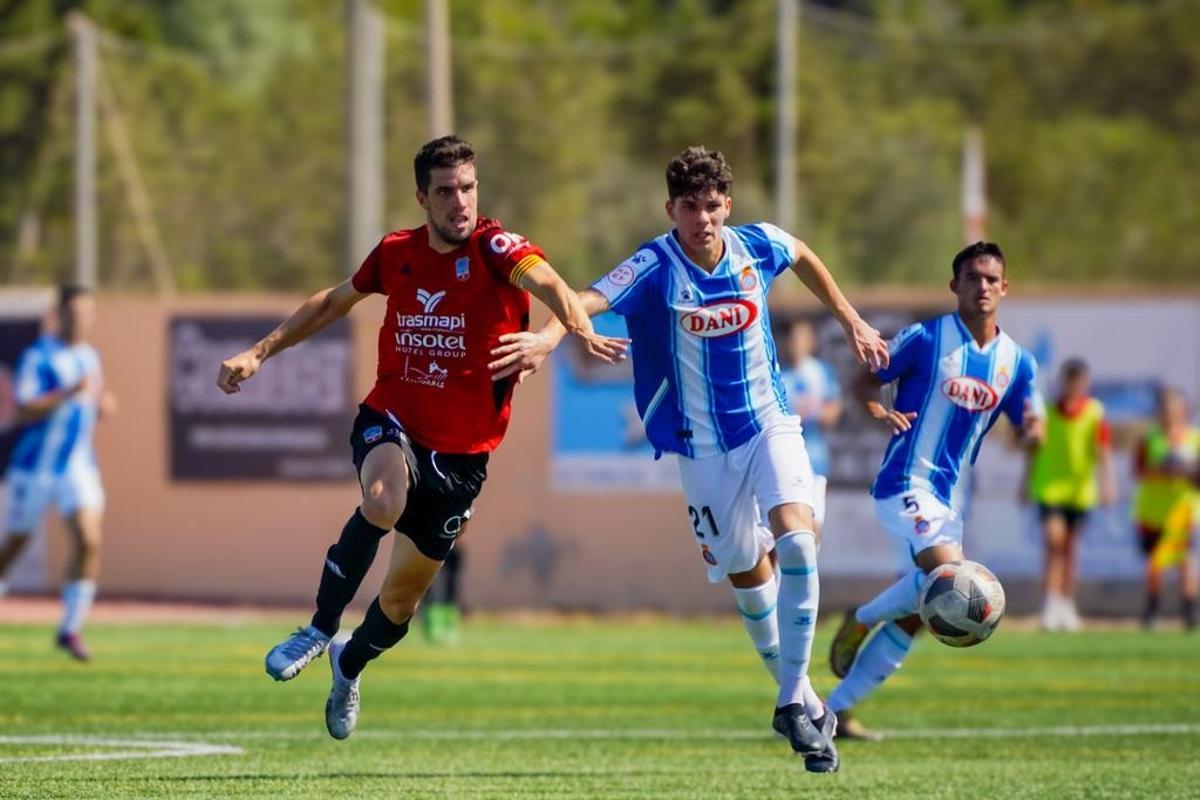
{"x":60,"y":395}
{"x":709,"y":390}
{"x":956,"y":374}
{"x":814,"y":396}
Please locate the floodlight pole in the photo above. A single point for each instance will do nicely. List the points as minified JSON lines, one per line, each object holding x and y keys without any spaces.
{"x":438,"y":75}
{"x":83,"y":46}
{"x":785,"y":113}
{"x":364,"y":130}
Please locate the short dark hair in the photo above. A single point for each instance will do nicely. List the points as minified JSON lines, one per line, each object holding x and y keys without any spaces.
{"x":1073,"y":368}
{"x":69,"y":291}
{"x":698,"y":169}
{"x":974,"y":251}
{"x":446,"y":151}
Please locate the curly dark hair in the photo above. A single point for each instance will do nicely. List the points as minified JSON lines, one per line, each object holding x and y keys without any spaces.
{"x":698,"y":169}
{"x":447,"y":151}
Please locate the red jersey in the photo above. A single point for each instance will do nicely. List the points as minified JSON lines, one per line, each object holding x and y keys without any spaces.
{"x":445,"y":313}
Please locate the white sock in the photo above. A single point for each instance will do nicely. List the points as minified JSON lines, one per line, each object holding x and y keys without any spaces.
{"x":77,"y":599}
{"x":799,"y":596}
{"x":813,"y":706}
{"x":757,"y":606}
{"x":878,"y":659}
{"x":897,"y":601}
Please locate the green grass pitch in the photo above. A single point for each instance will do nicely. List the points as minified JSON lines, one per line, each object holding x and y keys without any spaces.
{"x":595,"y":708}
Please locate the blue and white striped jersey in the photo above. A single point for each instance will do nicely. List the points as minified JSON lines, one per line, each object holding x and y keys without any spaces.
{"x":958,"y":390}
{"x":810,"y":385}
{"x":51,"y":444}
{"x":706,"y":375}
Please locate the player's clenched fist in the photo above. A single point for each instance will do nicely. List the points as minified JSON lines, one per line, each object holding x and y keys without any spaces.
{"x":237,"y":369}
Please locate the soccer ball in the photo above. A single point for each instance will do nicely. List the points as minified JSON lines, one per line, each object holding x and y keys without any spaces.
{"x":962,"y":603}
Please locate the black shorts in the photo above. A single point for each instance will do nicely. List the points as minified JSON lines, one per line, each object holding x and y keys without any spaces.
{"x":442,"y":487}
{"x":1074,"y":517}
{"x":1148,"y":539}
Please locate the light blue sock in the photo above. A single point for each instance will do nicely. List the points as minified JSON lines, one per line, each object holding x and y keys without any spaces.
{"x":799,"y":596}
{"x":77,"y":599}
{"x":876,"y":662}
{"x":757,"y":607}
{"x":897,"y":601}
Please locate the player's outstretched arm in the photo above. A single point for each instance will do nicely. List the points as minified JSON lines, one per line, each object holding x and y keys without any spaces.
{"x":44,"y":404}
{"x":868,"y":346}
{"x":866,"y":391}
{"x":313,"y":314}
{"x":522,"y":353}
{"x":544,"y":283}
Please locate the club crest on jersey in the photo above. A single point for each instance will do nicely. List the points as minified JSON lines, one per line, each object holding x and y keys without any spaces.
{"x":721,"y":318}
{"x":373,"y":434}
{"x":970,"y":393}
{"x":748,"y":281}
{"x":462,"y":268}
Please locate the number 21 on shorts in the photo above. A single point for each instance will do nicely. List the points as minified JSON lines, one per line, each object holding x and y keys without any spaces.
{"x":703,"y":517}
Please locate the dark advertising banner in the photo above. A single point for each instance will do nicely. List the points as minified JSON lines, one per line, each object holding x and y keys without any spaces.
{"x":16,"y":333}
{"x":291,"y":422}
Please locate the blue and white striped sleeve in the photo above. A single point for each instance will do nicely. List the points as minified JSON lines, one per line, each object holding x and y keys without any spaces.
{"x":625,"y":285}
{"x":783,"y":247}
{"x":31,"y":376}
{"x":903,"y":351}
{"x":1024,"y":395}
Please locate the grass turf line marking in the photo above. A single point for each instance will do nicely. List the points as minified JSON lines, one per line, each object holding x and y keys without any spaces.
{"x":702,"y":734}
{"x":135,"y":748}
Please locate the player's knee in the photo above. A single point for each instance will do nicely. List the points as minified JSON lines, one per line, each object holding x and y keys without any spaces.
{"x":89,"y":544}
{"x":792,"y":517}
{"x":382,"y":505}
{"x":399,"y":603}
{"x":797,"y":550}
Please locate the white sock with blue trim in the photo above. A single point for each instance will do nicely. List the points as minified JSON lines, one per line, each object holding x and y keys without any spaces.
{"x":897,"y":601}
{"x":799,"y":596}
{"x":77,"y":599}
{"x":876,"y":662}
{"x":757,"y":606}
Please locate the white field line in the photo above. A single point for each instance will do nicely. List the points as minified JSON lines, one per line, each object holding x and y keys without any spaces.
{"x":122,"y":749}
{"x":698,"y":734}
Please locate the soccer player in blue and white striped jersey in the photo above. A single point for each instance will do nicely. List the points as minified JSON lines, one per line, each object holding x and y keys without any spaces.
{"x":60,"y":395}
{"x":708,"y":388}
{"x":955,"y":376}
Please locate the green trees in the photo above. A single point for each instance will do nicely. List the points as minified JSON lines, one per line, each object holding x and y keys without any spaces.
{"x":1090,"y":113}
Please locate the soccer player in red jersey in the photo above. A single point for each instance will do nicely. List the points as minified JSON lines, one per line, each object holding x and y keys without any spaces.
{"x":454,"y":287}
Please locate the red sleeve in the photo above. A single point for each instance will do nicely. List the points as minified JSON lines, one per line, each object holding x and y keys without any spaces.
{"x":368,"y":279}
{"x":1104,"y":432}
{"x":508,"y":255}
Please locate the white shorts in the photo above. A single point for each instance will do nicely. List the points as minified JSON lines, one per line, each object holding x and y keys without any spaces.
{"x":28,"y":494}
{"x":917,"y":520}
{"x":729,"y":496}
{"x":820,"y":484}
